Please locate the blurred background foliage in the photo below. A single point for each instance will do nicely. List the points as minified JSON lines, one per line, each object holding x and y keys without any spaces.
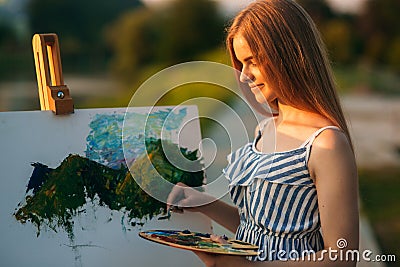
{"x":156,"y":38}
{"x":127,"y":41}
{"x":132,"y":40}
{"x":80,"y":26}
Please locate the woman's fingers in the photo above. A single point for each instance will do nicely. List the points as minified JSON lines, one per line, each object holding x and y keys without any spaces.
{"x":176,"y":195}
{"x":183,"y":196}
{"x":219,"y":239}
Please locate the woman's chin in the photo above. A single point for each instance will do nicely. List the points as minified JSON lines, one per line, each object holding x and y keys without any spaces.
{"x":272,"y":105}
{"x":260,"y":99}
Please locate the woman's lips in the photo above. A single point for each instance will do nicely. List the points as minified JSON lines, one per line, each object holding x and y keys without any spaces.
{"x":255,"y":88}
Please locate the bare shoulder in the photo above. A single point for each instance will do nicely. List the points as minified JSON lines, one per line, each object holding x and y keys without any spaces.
{"x":331,"y":153}
{"x":332,"y":140}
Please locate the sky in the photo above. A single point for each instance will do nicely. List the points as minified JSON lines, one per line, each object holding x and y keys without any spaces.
{"x":235,"y":5}
{"x":346,"y":5}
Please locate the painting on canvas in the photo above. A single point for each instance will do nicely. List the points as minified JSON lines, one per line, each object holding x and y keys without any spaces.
{"x":77,"y":189}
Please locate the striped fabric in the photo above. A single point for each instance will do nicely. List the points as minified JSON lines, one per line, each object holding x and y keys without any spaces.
{"x":276,"y":199}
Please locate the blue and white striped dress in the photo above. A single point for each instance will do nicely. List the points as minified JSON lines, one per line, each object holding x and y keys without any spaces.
{"x":276,"y":199}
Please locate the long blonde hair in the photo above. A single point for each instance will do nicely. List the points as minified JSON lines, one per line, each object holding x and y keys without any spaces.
{"x":292,"y":56}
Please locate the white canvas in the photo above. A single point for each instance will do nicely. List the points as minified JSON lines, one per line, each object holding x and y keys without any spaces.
{"x":101,"y":238}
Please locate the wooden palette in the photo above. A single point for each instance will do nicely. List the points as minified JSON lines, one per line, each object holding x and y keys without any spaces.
{"x":199,"y":242}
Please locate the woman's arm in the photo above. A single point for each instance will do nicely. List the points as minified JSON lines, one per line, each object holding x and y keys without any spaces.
{"x":190,"y":199}
{"x":333,"y":166}
{"x":223,"y":214}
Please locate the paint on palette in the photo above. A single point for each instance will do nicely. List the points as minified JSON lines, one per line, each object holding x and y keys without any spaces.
{"x":200,"y":242}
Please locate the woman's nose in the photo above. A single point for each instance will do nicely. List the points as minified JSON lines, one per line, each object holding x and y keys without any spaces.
{"x":245,"y":76}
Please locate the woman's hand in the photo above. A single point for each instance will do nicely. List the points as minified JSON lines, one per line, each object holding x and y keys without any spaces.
{"x":215,"y":260}
{"x":209,"y":260}
{"x":187,"y":198}
{"x":183,"y":196}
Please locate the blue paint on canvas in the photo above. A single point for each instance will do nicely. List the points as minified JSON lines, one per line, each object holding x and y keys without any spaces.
{"x":104,"y":142}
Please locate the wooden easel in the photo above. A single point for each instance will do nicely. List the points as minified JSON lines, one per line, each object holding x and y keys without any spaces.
{"x":53,"y":93}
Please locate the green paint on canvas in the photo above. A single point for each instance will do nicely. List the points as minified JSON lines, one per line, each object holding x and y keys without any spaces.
{"x":55,"y":196}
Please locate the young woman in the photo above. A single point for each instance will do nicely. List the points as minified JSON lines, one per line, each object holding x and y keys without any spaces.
{"x":295,"y":188}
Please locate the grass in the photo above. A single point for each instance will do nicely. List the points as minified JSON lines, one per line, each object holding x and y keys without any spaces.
{"x":380,"y":198}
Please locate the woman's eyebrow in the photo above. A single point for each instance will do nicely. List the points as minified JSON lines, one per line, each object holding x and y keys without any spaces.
{"x":248,"y":58}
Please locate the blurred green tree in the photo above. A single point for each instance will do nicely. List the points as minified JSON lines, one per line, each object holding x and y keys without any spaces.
{"x":337,"y":30}
{"x":380,"y":28}
{"x":133,"y":39}
{"x":165,"y":36}
{"x":189,"y":28}
{"x":8,"y":38}
{"x":338,"y":38}
{"x":15,"y":53}
{"x":319,"y":10}
{"x":79,"y":25}
{"x":343,"y":39}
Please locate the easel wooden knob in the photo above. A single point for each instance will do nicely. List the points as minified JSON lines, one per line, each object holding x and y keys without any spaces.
{"x":53,"y":93}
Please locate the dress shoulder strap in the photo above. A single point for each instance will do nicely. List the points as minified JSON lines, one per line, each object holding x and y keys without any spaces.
{"x":308,"y":143}
{"x":262,"y":125}
{"x":311,"y":139}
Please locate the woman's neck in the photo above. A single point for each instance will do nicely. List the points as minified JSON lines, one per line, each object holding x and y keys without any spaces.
{"x":292,"y":115}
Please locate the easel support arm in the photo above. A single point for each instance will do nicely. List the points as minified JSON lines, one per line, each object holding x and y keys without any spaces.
{"x":53,"y":93}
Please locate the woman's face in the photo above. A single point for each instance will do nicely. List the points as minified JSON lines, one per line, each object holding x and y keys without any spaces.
{"x":251,"y":73}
